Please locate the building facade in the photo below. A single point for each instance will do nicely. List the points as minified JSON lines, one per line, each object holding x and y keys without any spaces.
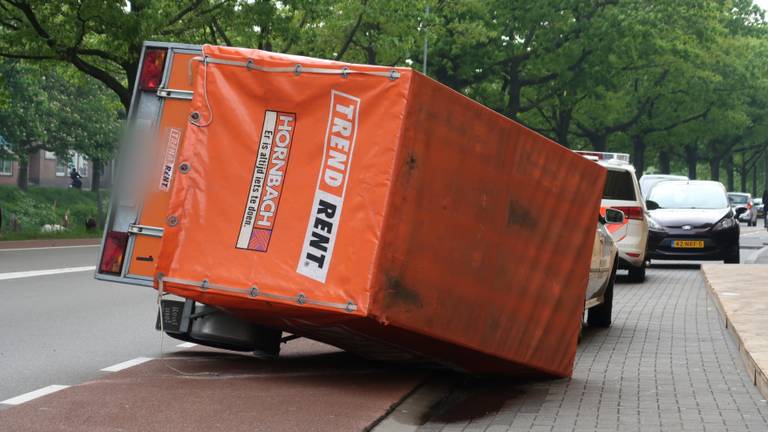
{"x":45,"y":169}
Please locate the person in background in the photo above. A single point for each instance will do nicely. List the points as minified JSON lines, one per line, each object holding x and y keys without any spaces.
{"x":75,"y":176}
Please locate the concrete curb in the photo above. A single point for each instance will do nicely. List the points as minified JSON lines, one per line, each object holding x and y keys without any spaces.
{"x":409,"y":413}
{"x":756,"y":374}
{"x":756,"y":255}
{"x":46,"y":243}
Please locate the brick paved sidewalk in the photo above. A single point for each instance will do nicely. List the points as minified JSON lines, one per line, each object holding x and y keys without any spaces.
{"x":666,"y":364}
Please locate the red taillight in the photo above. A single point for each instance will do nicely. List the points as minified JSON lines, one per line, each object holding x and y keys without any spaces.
{"x":631,"y":212}
{"x":152,"y":69}
{"x":114,"y":252}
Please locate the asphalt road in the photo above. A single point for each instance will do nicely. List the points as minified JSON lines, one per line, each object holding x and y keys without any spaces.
{"x":64,"y":328}
{"x":58,"y":331}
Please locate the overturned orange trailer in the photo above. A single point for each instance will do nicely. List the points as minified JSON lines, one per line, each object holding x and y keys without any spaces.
{"x":371,"y":208}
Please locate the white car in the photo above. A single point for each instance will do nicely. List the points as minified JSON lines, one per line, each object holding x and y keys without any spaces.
{"x":622,"y":192}
{"x":741,"y":199}
{"x":602,"y":271}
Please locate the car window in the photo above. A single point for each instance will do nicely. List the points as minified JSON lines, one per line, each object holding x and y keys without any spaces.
{"x":619,"y":186}
{"x":738,"y":199}
{"x":683,"y":195}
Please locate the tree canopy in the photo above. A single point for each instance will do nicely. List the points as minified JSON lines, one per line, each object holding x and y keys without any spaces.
{"x":679,"y":84}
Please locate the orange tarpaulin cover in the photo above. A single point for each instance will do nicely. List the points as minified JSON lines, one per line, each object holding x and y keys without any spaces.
{"x":373,"y":207}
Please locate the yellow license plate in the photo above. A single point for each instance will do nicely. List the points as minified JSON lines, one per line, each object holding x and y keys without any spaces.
{"x":688,"y":244}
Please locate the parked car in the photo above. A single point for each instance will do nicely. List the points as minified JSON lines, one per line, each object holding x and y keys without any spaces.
{"x":622,"y":192}
{"x":744,"y":200}
{"x":602,"y":271}
{"x":648,"y":181}
{"x":760,"y":206}
{"x":692,"y":220}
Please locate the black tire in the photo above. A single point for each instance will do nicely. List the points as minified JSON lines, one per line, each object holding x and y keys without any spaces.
{"x":637,"y":274}
{"x":600,"y":316}
{"x":733,"y":256}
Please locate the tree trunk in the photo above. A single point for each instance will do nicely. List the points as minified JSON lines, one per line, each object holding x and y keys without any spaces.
{"x":514,"y":89}
{"x":691,"y":159}
{"x":96,"y":187}
{"x":754,"y":181}
{"x":714,"y":169}
{"x":599,"y":142}
{"x":638,"y":154}
{"x":729,"y":172}
{"x":743,"y":173}
{"x":23,"y":180}
{"x":664,"y":165}
{"x":563,"y":125}
{"x":765,"y":171}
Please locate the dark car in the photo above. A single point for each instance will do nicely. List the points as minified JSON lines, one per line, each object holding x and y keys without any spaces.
{"x":692,"y":220}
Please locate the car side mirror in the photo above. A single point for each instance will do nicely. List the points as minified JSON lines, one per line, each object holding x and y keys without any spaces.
{"x":613,"y":216}
{"x":652,"y":205}
{"x":740,"y":211}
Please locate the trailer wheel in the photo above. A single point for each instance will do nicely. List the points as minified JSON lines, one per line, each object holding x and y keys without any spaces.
{"x":600,"y":316}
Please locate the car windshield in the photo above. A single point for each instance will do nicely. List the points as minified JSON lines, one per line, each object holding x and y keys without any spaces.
{"x":738,"y":198}
{"x":619,"y":186}
{"x":758,"y":201}
{"x":684,"y":195}
{"x":647,"y":182}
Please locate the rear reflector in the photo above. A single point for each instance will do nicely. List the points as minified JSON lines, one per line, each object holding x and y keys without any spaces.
{"x":631,"y":212}
{"x":633,"y":254}
{"x":152,"y":69}
{"x":114,"y":252}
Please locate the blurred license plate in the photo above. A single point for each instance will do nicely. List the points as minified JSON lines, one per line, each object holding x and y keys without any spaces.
{"x":688,"y":244}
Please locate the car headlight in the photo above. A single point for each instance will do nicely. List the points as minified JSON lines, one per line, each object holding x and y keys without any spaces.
{"x":652,"y":224}
{"x":724,"y":224}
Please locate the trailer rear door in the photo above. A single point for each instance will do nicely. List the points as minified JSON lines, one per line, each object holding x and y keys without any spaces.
{"x":147,"y":163}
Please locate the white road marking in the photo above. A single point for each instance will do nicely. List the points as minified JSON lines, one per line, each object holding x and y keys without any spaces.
{"x":33,"y":273}
{"x":26,"y":397}
{"x":186,"y":345}
{"x":46,"y":248}
{"x":126,"y":364}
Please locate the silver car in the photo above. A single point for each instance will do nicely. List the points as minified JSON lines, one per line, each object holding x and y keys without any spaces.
{"x":602,"y":271}
{"x":743,"y":199}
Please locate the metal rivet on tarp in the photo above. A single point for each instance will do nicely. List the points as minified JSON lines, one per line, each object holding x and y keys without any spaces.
{"x":394,"y":74}
{"x":345,"y":72}
{"x":254,"y":292}
{"x":297,"y":70}
{"x":250,"y":64}
{"x":194,"y":117}
{"x":204,"y":284}
{"x":173,"y":221}
{"x":301,"y":299}
{"x":350,"y":307}
{"x":184,"y":167}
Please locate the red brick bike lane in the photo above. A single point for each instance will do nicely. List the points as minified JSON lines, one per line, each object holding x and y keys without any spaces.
{"x":311,"y":387}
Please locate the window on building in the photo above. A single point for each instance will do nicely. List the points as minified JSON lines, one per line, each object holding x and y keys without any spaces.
{"x":62,"y":168}
{"x":82,"y":165}
{"x":76,"y":160}
{"x":50,"y":155}
{"x":6,"y":167}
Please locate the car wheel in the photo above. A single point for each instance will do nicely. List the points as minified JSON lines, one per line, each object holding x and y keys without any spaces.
{"x":600,"y":316}
{"x":637,"y":274}
{"x":733,"y":256}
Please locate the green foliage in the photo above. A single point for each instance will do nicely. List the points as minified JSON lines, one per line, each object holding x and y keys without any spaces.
{"x":39,"y":206}
{"x":681,"y":84}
